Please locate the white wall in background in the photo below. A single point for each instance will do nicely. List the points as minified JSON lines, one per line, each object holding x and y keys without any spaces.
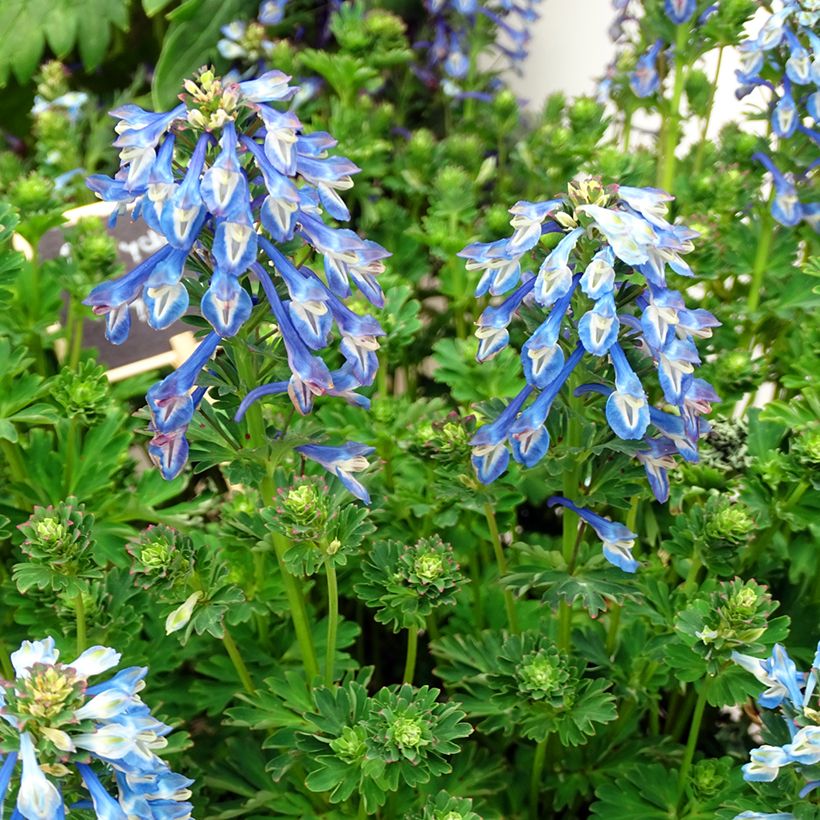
{"x":570,"y":49}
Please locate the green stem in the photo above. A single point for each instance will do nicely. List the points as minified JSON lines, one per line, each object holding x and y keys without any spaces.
{"x":692,"y":741}
{"x":692,"y":575}
{"x":247,"y":376}
{"x":569,"y":529}
{"x":5,"y":662}
{"x":764,"y":246}
{"x":708,"y":116}
{"x":71,"y":452}
{"x":627,"y":132}
{"x":79,"y":615}
{"x":238,"y":663}
{"x":495,"y":539}
{"x":332,"y":620}
{"x":612,"y":632}
{"x":382,"y":389}
{"x":412,"y":652}
{"x":535,"y":776}
{"x":666,"y":167}
{"x":298,"y":614}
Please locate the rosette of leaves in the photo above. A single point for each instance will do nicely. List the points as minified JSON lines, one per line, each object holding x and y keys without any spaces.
{"x":59,"y":546}
{"x":406,"y":582}
{"x":446,"y":807}
{"x":162,"y":557}
{"x":82,"y":393}
{"x":319,"y":525}
{"x":446,"y":440}
{"x":716,"y":532}
{"x":523,"y":681}
{"x":370,"y":745}
{"x":724,"y":617}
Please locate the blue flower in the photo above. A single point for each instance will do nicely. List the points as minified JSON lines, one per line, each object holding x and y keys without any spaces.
{"x":490,"y":455}
{"x":618,"y":540}
{"x":621,"y":232}
{"x":252,"y":180}
{"x":343,"y":462}
{"x":104,"y":731}
{"x":644,"y":80}
{"x":680,"y":11}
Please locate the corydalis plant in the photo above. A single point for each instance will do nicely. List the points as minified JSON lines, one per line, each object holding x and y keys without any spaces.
{"x":68,"y":735}
{"x":604,"y":298}
{"x":784,"y":56}
{"x":228,"y":179}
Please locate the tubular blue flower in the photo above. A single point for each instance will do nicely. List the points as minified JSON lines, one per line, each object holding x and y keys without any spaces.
{"x":310,"y":375}
{"x":554,"y":278}
{"x":618,"y":540}
{"x":627,"y":409}
{"x":598,"y":328}
{"x":113,"y":299}
{"x":343,"y":462}
{"x":676,"y":364}
{"x":184,"y":212}
{"x":170,"y":400}
{"x":630,"y":235}
{"x":101,"y":731}
{"x":805,"y":746}
{"x":764,"y":764}
{"x":644,"y":80}
{"x":657,"y":460}
{"x":799,"y":64}
{"x":492,"y":332}
{"x":680,"y":11}
{"x":224,"y":187}
{"x":528,"y":221}
{"x":599,"y":275}
{"x":271,"y":12}
{"x":784,"y":115}
{"x":528,"y":434}
{"x":786,"y":208}
{"x":490,"y":455}
{"x":661,"y":316}
{"x":541,"y":355}
{"x":500,"y":262}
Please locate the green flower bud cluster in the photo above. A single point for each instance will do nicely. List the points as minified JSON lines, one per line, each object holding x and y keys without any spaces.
{"x":162,"y":555}
{"x":52,"y":80}
{"x":532,"y":667}
{"x":33,"y":194}
{"x":447,"y":440}
{"x":446,"y":807}
{"x":405,"y":583}
{"x":371,"y":744}
{"x":732,"y":615}
{"x":93,"y":250}
{"x":83,"y":392}
{"x":302,"y":510}
{"x":60,"y":536}
{"x":718,"y":531}
{"x":807,"y":447}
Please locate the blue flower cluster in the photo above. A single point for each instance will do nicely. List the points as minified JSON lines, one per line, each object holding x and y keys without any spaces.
{"x":452,"y":21}
{"x":645,"y":79}
{"x":784,"y":57}
{"x":226,"y":177}
{"x":585,"y":287}
{"x":55,"y":719}
{"x":797,"y":696}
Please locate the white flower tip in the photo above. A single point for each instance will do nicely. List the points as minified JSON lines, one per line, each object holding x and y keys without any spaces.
{"x":179,"y":618}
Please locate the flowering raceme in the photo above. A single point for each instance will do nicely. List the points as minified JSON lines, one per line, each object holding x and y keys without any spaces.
{"x":227,"y":178}
{"x":611,"y":240}
{"x":453,"y":22}
{"x":784,"y":57}
{"x":795,"y":694}
{"x":58,"y":726}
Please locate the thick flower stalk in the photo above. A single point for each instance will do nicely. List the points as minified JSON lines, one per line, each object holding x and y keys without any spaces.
{"x":784,"y":56}
{"x":797,"y":698}
{"x":604,"y":298}
{"x":227,"y":178}
{"x":70,"y":736}
{"x":448,"y":56}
